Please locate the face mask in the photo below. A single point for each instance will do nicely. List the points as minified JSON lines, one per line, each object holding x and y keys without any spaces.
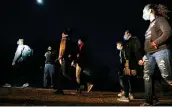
{"x":146,"y":16}
{"x":119,"y":48}
{"x":19,"y":43}
{"x":125,"y":37}
{"x":49,"y":48}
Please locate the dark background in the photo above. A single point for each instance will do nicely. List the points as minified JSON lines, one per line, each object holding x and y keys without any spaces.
{"x":102,"y":22}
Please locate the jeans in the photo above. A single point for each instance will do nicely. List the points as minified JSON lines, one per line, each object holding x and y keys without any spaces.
{"x":126,"y":78}
{"x":127,"y":85}
{"x":49,"y":70}
{"x":162,"y":59}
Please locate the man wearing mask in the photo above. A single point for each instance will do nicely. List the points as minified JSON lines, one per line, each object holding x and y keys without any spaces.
{"x":123,"y":60}
{"x":49,"y":68}
{"x":133,"y":56}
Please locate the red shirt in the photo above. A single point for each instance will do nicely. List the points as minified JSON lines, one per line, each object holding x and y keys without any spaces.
{"x":80,"y":46}
{"x":80,"y":49}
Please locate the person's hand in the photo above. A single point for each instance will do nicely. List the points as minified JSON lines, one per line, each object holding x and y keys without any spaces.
{"x":60,"y":61}
{"x":140,"y":62}
{"x":170,"y":82}
{"x":13,"y":63}
{"x":69,"y":56}
{"x":133,"y":72}
{"x":73,"y":64}
{"x":154,"y":45}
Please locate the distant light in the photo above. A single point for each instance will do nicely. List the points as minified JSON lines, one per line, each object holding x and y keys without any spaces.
{"x":39,"y":2}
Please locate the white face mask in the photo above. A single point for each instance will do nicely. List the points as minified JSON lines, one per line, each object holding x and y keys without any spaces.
{"x":146,"y":15}
{"x":126,"y":37}
{"x":19,"y":43}
{"x":79,"y":42}
{"x":119,"y":48}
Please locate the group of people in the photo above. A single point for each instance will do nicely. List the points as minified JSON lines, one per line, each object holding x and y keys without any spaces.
{"x":157,"y":51}
{"x":130,"y":54}
{"x":65,"y":58}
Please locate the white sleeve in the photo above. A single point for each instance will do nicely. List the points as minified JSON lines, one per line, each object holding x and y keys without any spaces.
{"x":27,"y":50}
{"x":45,"y":54}
{"x":18,"y":53}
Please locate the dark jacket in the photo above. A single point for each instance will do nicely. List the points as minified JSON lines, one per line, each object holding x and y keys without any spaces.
{"x":133,"y":52}
{"x":122,"y":57}
{"x":159,"y":32}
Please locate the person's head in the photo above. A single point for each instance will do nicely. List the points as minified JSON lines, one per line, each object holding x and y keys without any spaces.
{"x":127,"y":35}
{"x":20,"y":42}
{"x":80,"y":41}
{"x":150,"y":11}
{"x":64,"y":34}
{"x":119,"y":45}
{"x":49,"y":48}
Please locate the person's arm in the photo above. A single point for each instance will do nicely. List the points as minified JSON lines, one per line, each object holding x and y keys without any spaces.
{"x":80,"y":51}
{"x":17,"y":54}
{"x":166,"y":32}
{"x":62,"y":49}
{"x":136,"y":46}
{"x":45,"y":54}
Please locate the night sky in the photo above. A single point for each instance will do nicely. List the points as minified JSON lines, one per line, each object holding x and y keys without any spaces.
{"x":102,"y":22}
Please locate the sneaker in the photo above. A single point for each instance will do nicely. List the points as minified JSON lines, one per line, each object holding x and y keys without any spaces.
{"x":123,"y":99}
{"x":73,"y":93}
{"x":131,"y":96}
{"x":80,"y":89}
{"x":25,"y":85}
{"x":52,"y":86}
{"x":7,"y":85}
{"x":79,"y":92}
{"x":89,"y":87}
{"x":121,"y":94}
{"x":145,"y":104}
{"x":156,"y":101}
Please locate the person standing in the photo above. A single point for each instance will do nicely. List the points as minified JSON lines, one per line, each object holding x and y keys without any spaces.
{"x":157,"y":48}
{"x":122,"y":56}
{"x":133,"y":56}
{"x":49,"y":69}
{"x":21,"y":63}
{"x":79,"y":63}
